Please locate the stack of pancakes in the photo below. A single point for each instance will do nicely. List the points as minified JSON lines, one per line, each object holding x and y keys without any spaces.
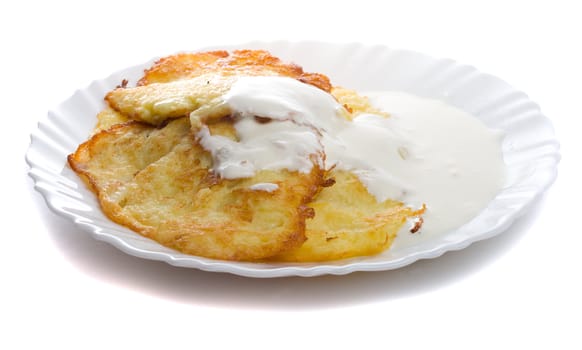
{"x":150,"y":173}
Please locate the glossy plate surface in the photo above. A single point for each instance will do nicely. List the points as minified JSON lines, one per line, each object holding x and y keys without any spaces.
{"x":530,"y":150}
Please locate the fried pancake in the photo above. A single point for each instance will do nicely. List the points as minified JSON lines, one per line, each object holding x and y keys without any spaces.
{"x":157,"y":102}
{"x":349,"y":222}
{"x":112,"y":157}
{"x":158,"y":182}
{"x":239,"y":63}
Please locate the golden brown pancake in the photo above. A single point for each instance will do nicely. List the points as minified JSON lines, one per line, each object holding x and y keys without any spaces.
{"x":159,"y":182}
{"x":158,"y":102}
{"x":348,"y":222}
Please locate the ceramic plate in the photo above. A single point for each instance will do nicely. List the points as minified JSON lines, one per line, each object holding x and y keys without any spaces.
{"x":530,"y":150}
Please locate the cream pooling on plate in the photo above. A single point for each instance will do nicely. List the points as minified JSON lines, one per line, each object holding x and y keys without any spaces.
{"x":413,"y":156}
{"x":453,"y":162}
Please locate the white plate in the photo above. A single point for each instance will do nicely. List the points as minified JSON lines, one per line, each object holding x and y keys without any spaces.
{"x":530,"y":150}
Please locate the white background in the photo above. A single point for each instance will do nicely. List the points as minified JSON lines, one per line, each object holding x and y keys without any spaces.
{"x":61,"y":289}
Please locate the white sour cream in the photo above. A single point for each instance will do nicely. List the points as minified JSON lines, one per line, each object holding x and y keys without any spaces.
{"x":270,"y":146}
{"x":426,"y":153}
{"x":453,"y":162}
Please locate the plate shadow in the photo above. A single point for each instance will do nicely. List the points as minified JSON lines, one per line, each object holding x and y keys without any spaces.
{"x":190,"y":286}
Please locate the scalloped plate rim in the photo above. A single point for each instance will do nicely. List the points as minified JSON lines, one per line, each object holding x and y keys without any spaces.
{"x":286,"y":269}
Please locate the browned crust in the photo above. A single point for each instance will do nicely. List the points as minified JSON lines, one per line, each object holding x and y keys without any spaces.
{"x":238,"y":62}
{"x":417,"y":225}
